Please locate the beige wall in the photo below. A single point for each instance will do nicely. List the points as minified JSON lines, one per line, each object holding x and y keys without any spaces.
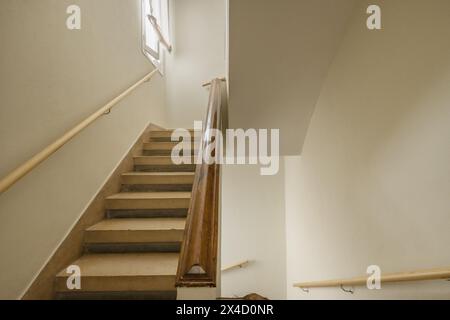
{"x":372,"y":185}
{"x":51,"y":78}
{"x":253,"y":228}
{"x":198,"y":35}
{"x":279,"y":55}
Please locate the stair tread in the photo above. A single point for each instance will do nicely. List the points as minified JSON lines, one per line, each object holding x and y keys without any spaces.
{"x":149,"y":195}
{"x":156,"y":179}
{"x":168,"y":144}
{"x":166,"y":135}
{"x":126,"y":264}
{"x":157,"y":174}
{"x":154,"y":157}
{"x":139,"y":224}
{"x":171,"y":130}
{"x":162,"y":164}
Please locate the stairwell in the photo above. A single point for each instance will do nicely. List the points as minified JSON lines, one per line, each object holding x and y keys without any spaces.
{"x":133,"y":253}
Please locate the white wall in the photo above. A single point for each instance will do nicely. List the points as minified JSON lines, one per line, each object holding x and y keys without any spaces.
{"x":280,"y":52}
{"x":52,"y":78}
{"x":253,"y":228}
{"x":198,"y":36}
{"x":372,"y":184}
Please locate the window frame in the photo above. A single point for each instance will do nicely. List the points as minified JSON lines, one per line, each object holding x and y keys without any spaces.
{"x":156,"y":58}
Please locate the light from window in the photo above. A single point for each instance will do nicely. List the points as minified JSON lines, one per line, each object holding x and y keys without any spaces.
{"x":158,"y":9}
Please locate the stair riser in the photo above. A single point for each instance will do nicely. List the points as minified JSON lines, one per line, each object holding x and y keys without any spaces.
{"x":169,"y":139}
{"x":169,"y":145}
{"x":165,"y":168}
{"x":125,"y":295}
{"x":158,"y":179}
{"x":133,"y":237}
{"x":142,"y":204}
{"x":149,"y":153}
{"x":161,"y":164}
{"x":118,"y":283}
{"x":132,"y":247}
{"x":168,"y":133}
{"x":158,"y":161}
{"x":149,"y":213}
{"x":156,"y":188}
{"x":161,"y":178}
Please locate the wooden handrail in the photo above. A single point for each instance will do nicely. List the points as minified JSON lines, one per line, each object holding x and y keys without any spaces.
{"x":236,"y":266}
{"x":197,"y":266}
{"x":33,"y":162}
{"x":418,"y":275}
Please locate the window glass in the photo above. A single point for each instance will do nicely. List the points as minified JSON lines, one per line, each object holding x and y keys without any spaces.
{"x":152,"y":43}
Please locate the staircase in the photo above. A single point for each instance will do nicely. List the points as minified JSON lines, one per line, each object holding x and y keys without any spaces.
{"x":133,"y":253}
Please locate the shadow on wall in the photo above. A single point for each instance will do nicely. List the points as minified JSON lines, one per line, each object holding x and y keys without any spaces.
{"x":372,"y":184}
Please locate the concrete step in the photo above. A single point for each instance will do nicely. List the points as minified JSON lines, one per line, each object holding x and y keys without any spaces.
{"x":161,"y":164}
{"x":166,"y":135}
{"x":157,"y":181}
{"x":135,"y":235}
{"x":165,"y":148}
{"x":146,"y":213}
{"x":122,"y":275}
{"x":148,"y":200}
{"x":166,"y":145}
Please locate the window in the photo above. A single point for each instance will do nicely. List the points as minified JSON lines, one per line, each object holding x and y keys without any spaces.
{"x":155,"y":30}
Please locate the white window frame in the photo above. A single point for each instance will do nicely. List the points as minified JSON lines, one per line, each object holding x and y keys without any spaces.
{"x":158,"y":57}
